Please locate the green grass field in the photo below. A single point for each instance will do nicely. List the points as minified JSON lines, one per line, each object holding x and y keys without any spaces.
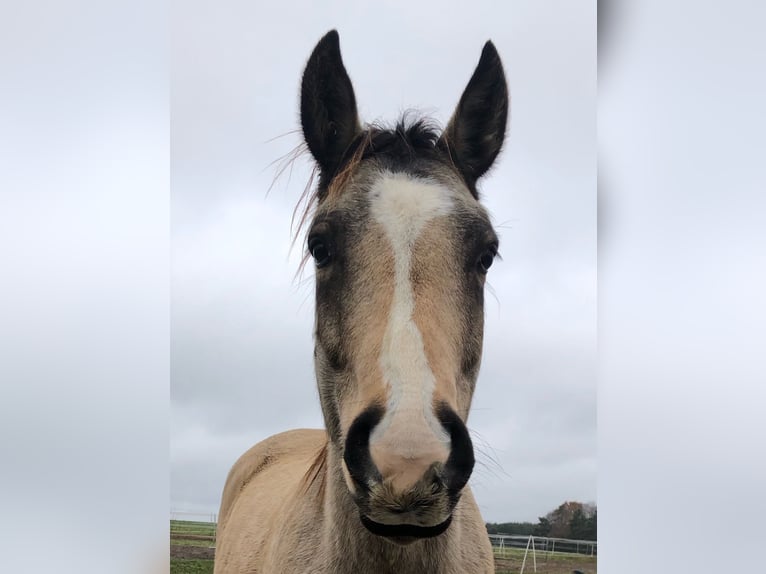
{"x":194,"y":528}
{"x":187,"y":538}
{"x":180,"y":566}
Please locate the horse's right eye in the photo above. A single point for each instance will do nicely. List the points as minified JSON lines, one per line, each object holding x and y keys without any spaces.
{"x":319,"y":251}
{"x":485,"y":261}
{"x":487,"y":258}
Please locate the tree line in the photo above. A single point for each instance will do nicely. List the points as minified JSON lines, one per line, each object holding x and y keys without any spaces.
{"x":573,"y":520}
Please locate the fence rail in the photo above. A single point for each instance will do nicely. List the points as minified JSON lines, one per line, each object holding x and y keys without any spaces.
{"x":197,"y":530}
{"x":183,"y":515}
{"x":544,"y":544}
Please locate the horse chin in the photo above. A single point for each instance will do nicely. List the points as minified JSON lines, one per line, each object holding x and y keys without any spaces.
{"x":402,"y":540}
{"x":405,"y":534}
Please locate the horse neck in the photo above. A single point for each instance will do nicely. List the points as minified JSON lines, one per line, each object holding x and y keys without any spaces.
{"x":351,"y":548}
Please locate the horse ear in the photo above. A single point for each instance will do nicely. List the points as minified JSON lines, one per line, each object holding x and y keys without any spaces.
{"x":476,"y":131}
{"x":328,"y":107}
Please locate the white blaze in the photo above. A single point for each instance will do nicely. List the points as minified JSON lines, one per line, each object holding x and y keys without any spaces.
{"x":403,"y":206}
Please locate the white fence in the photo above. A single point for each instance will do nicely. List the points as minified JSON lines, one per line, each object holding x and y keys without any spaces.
{"x":543,"y":544}
{"x":538,"y":551}
{"x":185,"y":526}
{"x":194,"y":516}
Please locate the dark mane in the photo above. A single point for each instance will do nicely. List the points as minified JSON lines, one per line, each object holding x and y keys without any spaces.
{"x":401,"y":147}
{"x":405,"y":139}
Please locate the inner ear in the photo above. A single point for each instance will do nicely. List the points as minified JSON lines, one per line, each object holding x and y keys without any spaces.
{"x":328,"y":107}
{"x":475,"y":134}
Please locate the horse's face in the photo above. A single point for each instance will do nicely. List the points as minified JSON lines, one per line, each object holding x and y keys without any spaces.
{"x":402,"y":248}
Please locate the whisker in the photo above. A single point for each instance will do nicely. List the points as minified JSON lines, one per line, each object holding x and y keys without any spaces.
{"x":284,"y":162}
{"x":287,"y":133}
{"x":486,"y":456}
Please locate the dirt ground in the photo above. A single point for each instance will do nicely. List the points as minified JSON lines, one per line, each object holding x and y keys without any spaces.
{"x":557,"y":564}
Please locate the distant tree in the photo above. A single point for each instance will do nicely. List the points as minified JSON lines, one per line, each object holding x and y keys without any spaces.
{"x":570,"y":520}
{"x":543,"y":527}
{"x":561,"y":517}
{"x":520,"y":528}
{"x":591,"y":526}
{"x":578,"y":525}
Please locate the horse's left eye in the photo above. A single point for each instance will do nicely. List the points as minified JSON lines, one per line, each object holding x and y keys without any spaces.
{"x":486,"y":259}
{"x":319,"y":251}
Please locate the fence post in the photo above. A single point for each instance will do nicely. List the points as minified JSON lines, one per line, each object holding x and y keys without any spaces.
{"x":524,"y":561}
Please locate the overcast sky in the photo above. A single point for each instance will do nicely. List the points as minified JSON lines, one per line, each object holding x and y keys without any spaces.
{"x":241,"y":344}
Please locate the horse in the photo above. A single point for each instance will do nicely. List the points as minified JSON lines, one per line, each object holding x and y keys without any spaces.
{"x":401,"y":248}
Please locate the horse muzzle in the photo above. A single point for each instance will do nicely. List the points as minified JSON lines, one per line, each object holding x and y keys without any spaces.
{"x":424,"y":509}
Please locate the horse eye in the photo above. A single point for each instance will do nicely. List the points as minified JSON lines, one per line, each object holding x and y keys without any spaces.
{"x":319,"y":251}
{"x":486,"y":260}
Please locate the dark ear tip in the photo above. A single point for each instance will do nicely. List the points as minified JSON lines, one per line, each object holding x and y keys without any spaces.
{"x":326,"y":50}
{"x":489,"y":54}
{"x":330,"y":40}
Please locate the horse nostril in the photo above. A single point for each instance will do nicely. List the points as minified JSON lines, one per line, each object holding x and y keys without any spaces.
{"x":459,"y":465}
{"x":356,"y":453}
